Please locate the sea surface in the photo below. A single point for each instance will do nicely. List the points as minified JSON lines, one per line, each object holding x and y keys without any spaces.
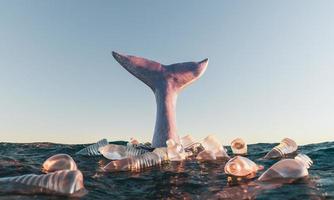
{"x":185,"y":180}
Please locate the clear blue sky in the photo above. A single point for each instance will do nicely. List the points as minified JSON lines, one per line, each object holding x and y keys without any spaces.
{"x":270,"y":75}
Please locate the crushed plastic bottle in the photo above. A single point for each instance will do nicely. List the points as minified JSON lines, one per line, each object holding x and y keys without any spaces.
{"x":286,"y":148}
{"x":211,"y":143}
{"x":239,"y":147}
{"x":240,"y":168}
{"x":59,"y":162}
{"x":93,"y":150}
{"x":118,"y":152}
{"x":175,"y":151}
{"x":64,"y":183}
{"x":140,"y":162}
{"x":288,"y":169}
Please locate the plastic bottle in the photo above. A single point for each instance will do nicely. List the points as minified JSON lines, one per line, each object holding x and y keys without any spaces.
{"x":93,"y":150}
{"x":240,"y":166}
{"x":285,"y":148}
{"x":206,"y":155}
{"x":211,"y":143}
{"x":239,"y":147}
{"x":175,"y":151}
{"x":118,"y":152}
{"x":139,"y":162}
{"x":64,"y":182}
{"x":288,"y":169}
{"x":59,"y":162}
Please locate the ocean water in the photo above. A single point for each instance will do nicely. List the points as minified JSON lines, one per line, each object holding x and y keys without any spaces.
{"x":184,"y":180}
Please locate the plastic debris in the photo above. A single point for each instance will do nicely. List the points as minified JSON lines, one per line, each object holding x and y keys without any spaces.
{"x":242,"y":167}
{"x":288,"y":169}
{"x":93,"y":150}
{"x":211,"y":143}
{"x":286,"y":148}
{"x":239,"y":147}
{"x":64,"y":183}
{"x":59,"y":162}
{"x":118,"y":152}
{"x":175,"y":151}
{"x":134,"y":141}
{"x":140,"y":162}
{"x":206,"y":155}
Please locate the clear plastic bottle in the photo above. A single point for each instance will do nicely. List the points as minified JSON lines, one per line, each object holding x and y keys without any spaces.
{"x":285,"y":148}
{"x":211,"y":143}
{"x":64,"y":182}
{"x":175,"y":151}
{"x":206,"y":155}
{"x":240,"y":166}
{"x":93,"y":150}
{"x":239,"y":147}
{"x":140,"y":162}
{"x":59,"y":162}
{"x":118,"y":152}
{"x":187,"y":141}
{"x":288,"y":169}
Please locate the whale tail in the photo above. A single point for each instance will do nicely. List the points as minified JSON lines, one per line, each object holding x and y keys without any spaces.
{"x":154,"y":74}
{"x":166,"y":81}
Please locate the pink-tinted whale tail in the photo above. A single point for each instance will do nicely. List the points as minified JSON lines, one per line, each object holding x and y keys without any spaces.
{"x":166,"y":81}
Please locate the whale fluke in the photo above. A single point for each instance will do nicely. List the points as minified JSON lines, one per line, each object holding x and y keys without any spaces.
{"x":166,"y":81}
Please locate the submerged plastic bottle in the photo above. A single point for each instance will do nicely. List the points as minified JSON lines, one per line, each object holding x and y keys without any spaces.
{"x":64,"y":182}
{"x":140,"y":162}
{"x":211,"y":143}
{"x":175,"y":151}
{"x":239,"y":147}
{"x":59,"y":162}
{"x":93,"y":150}
{"x":288,"y":169}
{"x":118,"y":152}
{"x":285,"y":148}
{"x":240,"y":168}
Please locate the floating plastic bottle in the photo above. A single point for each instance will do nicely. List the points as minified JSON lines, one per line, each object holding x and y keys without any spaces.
{"x":133,"y":141}
{"x":187,"y":141}
{"x":140,"y":162}
{"x":93,"y":150}
{"x":64,"y":182}
{"x":59,"y":162}
{"x":285,"y":148}
{"x":191,"y":147}
{"x":211,"y":143}
{"x":239,"y":147}
{"x":288,"y":169}
{"x":206,"y":155}
{"x":175,"y":151}
{"x":242,"y":167}
{"x":118,"y":152}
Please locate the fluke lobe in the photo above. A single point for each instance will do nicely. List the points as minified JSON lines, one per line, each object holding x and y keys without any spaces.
{"x":166,"y":81}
